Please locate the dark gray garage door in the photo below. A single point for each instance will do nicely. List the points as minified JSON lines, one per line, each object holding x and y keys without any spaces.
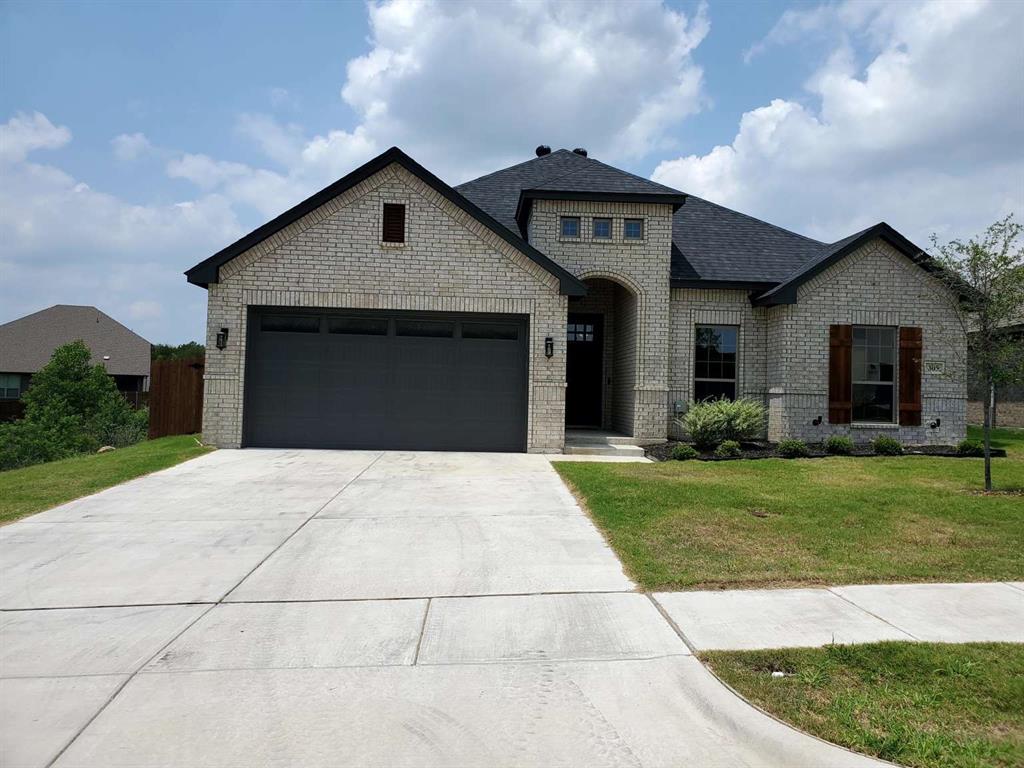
{"x":415,"y":381}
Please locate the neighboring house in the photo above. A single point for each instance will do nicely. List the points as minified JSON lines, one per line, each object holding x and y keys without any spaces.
{"x":1009,"y":410}
{"x":391,"y":310}
{"x":26,"y":345}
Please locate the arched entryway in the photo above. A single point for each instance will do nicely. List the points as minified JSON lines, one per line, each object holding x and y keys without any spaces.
{"x":601,"y":357}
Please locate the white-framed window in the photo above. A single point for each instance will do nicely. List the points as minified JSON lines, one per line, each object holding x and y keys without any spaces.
{"x":570,"y":226}
{"x":633,"y":229}
{"x":714,"y":362}
{"x":602,"y":228}
{"x":10,"y":386}
{"x":874,"y":374}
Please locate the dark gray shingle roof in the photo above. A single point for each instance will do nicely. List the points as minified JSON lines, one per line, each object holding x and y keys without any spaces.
{"x":710,"y":242}
{"x":27,"y":343}
{"x":498,"y":193}
{"x":714,"y":243}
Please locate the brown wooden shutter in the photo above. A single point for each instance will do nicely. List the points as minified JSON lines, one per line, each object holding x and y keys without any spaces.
{"x":911,"y":352}
{"x":840,"y":374}
{"x":394,"y":223}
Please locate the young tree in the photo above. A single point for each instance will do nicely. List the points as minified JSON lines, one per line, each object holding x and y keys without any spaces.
{"x":986,"y":275}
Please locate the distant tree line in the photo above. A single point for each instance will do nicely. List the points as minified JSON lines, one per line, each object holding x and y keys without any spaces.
{"x":172,"y":352}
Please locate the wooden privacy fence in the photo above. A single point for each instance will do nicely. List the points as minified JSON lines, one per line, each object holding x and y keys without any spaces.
{"x":176,"y":397}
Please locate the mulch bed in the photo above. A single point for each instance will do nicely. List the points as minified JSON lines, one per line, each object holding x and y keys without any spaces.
{"x":770,"y":451}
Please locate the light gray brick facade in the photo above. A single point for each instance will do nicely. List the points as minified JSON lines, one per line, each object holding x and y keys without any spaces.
{"x":640,"y":336}
{"x":692,"y":307}
{"x":875,"y":285}
{"x":451,"y":262}
{"x":333,"y":257}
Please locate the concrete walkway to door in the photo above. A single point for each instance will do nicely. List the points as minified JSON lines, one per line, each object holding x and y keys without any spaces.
{"x":324,"y":608}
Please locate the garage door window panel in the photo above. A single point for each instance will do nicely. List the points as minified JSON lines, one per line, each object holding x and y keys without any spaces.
{"x":290,"y":323}
{"x":358,"y":326}
{"x":491,"y":331}
{"x":432,"y":329}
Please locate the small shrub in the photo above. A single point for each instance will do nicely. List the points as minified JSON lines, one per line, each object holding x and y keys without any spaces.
{"x":839,"y":445}
{"x":127,"y":428}
{"x":793,"y":449}
{"x":728,"y":449}
{"x":970,"y":448}
{"x":712,"y":421}
{"x":886,"y":446}
{"x":684,"y":452}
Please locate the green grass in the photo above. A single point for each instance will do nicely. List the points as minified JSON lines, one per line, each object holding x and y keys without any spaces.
{"x":841,"y":520}
{"x":29,"y":490}
{"x":1002,"y":437}
{"x":917,"y":704}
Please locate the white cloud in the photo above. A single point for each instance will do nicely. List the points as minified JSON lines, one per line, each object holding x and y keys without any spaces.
{"x":616,"y":79}
{"x":926,"y":136}
{"x":64,"y":242}
{"x":130,"y":146}
{"x":25,"y":133}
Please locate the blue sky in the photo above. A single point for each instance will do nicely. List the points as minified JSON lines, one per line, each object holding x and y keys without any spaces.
{"x":139,"y":138}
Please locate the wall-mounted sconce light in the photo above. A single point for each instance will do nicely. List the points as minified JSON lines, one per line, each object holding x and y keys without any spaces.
{"x":549,"y":347}
{"x":936,"y":424}
{"x":222,"y":338}
{"x":817,"y":421}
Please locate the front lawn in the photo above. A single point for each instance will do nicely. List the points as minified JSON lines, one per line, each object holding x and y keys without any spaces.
{"x":916,"y":704}
{"x":32,"y":489}
{"x":841,"y":520}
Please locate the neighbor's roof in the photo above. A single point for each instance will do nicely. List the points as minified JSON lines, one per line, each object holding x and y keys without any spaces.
{"x":27,"y":343}
{"x":208,"y":271}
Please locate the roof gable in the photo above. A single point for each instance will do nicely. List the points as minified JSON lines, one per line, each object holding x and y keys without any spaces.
{"x":26,"y":344}
{"x":786,"y":291}
{"x":208,"y":271}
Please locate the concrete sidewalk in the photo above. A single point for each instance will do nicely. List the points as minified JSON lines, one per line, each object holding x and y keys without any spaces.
{"x":786,"y":618}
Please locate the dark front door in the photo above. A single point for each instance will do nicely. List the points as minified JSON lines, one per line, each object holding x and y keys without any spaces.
{"x":401,"y":380}
{"x":583,"y":370}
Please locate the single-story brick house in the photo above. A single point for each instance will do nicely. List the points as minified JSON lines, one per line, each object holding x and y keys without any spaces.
{"x":28,"y":343}
{"x":391,"y":310}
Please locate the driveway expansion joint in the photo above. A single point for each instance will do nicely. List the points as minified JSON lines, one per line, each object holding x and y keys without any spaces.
{"x":672,"y":623}
{"x":832,"y":591}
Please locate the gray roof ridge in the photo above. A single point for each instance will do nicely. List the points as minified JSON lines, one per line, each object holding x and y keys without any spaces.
{"x":47,"y":309}
{"x":115,"y":321}
{"x":760,"y":221}
{"x":561,"y":175}
{"x":510,"y":167}
{"x":93,"y":307}
{"x":635,"y":175}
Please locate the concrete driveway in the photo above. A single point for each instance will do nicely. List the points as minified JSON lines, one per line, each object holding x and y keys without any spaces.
{"x":325,"y":608}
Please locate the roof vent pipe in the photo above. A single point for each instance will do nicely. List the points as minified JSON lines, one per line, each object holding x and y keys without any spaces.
{"x":542,"y":150}
{"x":580,"y":151}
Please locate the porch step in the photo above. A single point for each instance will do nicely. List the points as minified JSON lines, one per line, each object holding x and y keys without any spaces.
{"x":597,"y":437}
{"x":603,"y":449}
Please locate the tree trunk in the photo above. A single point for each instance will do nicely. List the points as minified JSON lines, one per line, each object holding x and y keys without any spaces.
{"x":989,"y":405}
